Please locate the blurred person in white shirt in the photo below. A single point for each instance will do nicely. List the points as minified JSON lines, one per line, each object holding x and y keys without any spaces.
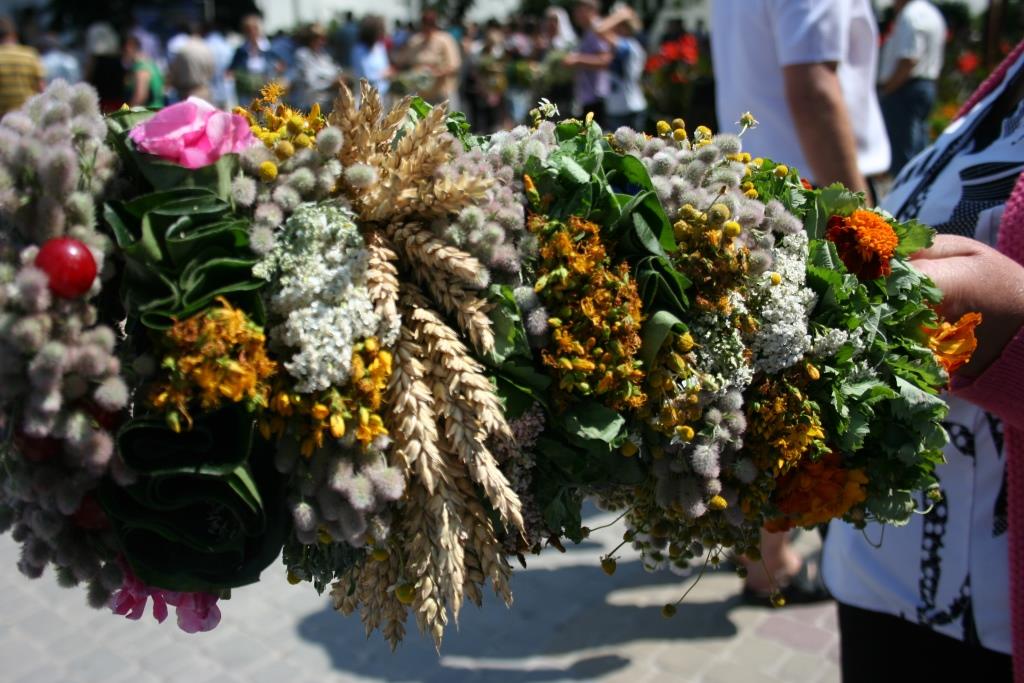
{"x":806,"y":70}
{"x":910,"y":66}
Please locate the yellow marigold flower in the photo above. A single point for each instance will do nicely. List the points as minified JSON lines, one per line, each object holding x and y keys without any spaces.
{"x":268,"y":171}
{"x":954,"y":344}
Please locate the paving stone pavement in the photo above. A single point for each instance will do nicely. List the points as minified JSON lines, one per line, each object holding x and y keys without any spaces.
{"x":570,"y":622}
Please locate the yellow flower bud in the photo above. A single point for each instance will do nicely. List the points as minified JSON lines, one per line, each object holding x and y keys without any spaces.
{"x":303,"y":141}
{"x":337,"y":425}
{"x":732,"y":229}
{"x":719,"y":213}
{"x":314,"y":111}
{"x":320,"y":412}
{"x":685,"y":432}
{"x":685,"y":342}
{"x":781,"y":171}
{"x":405,"y":593}
{"x":296,"y":124}
{"x":813,"y":372}
{"x":776,"y":278}
{"x":284,"y":149}
{"x":679,"y":135}
{"x":268,"y":171}
{"x":664,"y":128}
{"x":717,"y":503}
{"x":751,"y":194}
{"x":678,"y":123}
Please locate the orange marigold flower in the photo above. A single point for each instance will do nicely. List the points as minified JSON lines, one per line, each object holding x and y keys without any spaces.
{"x":954,"y":344}
{"x":865,"y":241}
{"x":816,"y":491}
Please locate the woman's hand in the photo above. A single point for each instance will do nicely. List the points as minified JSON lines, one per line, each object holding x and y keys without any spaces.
{"x":976,"y":277}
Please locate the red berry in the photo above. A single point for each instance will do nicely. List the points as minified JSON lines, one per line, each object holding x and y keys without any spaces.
{"x":69,"y":265}
{"x":104,"y":418}
{"x":36,"y":449}
{"x":90,"y":515}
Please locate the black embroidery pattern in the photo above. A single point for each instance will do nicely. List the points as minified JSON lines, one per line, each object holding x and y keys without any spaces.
{"x":961,"y":437}
{"x":933,"y":532}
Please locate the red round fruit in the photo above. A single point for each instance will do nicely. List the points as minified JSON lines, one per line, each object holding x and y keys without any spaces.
{"x":69,"y":265}
{"x":90,"y":515}
{"x":36,"y":449}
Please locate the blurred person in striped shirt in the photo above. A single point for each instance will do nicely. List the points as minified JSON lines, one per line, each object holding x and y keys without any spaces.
{"x":21,"y":72}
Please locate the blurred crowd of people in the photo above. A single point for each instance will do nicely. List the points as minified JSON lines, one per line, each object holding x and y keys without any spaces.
{"x":495,"y":71}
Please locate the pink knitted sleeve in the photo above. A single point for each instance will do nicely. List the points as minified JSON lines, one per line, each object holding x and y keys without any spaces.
{"x":1000,"y":389}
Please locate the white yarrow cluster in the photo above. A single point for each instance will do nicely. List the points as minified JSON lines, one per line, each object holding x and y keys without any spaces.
{"x":318,"y":268}
{"x":782,"y":309}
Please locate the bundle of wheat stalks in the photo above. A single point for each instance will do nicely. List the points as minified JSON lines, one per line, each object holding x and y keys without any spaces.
{"x":442,"y":410}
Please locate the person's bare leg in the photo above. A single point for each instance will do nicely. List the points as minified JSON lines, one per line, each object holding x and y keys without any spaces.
{"x":778,"y":565}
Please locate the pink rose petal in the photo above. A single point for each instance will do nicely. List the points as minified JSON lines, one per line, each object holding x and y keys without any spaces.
{"x":192,"y":134}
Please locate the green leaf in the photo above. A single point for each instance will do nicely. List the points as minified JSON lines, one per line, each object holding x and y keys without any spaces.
{"x":593,"y":421}
{"x":895,"y":507}
{"x":656,"y":330}
{"x":914,"y":237}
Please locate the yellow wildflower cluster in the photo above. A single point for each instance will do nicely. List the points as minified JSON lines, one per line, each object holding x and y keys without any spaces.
{"x":353,"y":409}
{"x":784,"y":423}
{"x":214,"y":357}
{"x":280,"y":127}
{"x":596,"y":313}
{"x":710,"y":256}
{"x":674,"y":389}
{"x":815,"y":492}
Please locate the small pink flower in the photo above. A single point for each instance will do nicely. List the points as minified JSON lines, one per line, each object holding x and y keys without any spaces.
{"x":197,"y":612}
{"x":192,"y":133}
{"x":130,"y":599}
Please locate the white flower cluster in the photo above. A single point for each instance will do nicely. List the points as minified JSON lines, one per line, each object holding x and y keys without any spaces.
{"x":318,"y":270}
{"x":827,"y":341}
{"x":720,"y":356}
{"x":782,"y":307}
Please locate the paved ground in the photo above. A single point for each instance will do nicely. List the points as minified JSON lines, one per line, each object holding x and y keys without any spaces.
{"x":570,"y":623}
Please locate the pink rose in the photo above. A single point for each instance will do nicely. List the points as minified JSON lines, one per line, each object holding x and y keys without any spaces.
{"x":192,"y":133}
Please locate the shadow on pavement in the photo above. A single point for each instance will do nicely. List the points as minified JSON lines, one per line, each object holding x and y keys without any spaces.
{"x":558,"y":613}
